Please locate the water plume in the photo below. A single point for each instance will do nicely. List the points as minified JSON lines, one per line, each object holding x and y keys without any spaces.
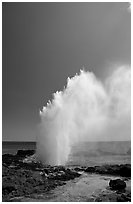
{"x":86,"y":110}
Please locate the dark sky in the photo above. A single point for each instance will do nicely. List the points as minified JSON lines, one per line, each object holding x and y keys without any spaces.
{"x":44,"y":43}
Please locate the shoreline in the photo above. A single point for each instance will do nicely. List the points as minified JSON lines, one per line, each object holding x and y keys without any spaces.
{"x":24,"y":177}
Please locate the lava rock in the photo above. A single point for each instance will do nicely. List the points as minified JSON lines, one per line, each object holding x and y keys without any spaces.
{"x":117,"y":184}
{"x":7,"y":188}
{"x":72,"y":174}
{"x":22,"y":175}
{"x":59,"y":168}
{"x":125,"y":170}
{"x":7,"y":159}
{"x":24,"y":153}
{"x":111,"y":197}
{"x":79,"y":169}
{"x":124,"y":198}
{"x":90,"y":169}
{"x":122,"y":170}
{"x":63,"y":175}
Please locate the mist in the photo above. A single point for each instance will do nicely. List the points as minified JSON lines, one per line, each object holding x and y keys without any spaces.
{"x":86,"y":110}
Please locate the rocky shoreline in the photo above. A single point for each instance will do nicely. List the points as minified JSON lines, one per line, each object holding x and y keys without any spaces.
{"x":22,"y":176}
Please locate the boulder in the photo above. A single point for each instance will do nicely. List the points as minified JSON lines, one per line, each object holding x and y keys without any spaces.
{"x":117,"y":184}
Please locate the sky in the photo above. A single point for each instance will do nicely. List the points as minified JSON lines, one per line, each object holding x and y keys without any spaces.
{"x":45,"y":43}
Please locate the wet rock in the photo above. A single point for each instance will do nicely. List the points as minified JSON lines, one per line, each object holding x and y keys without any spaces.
{"x":16,"y":199}
{"x":117,"y":184}
{"x":106,"y":197}
{"x":79,"y":169}
{"x":5,"y":170}
{"x":122,"y":170}
{"x":26,"y":179}
{"x":125,"y":170}
{"x":124,"y":198}
{"x":45,"y":171}
{"x":7,"y":159}
{"x":30,"y":159}
{"x":112,"y":196}
{"x":90,"y":169}
{"x":59,"y":168}
{"x":98,"y":200}
{"x":23,"y":175}
{"x":73,"y":173}
{"x":64,"y":175}
{"x":8,"y":188}
{"x":24,"y":153}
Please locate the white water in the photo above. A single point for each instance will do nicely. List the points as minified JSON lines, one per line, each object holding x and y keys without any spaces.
{"x":86,"y":110}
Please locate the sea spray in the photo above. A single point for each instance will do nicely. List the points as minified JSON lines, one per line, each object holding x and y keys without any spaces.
{"x":84,"y":111}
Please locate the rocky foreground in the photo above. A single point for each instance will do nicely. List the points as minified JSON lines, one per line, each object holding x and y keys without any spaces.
{"x":23,"y":176}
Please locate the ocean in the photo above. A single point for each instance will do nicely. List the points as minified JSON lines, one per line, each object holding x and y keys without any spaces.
{"x":13,"y":147}
{"x":88,"y":153}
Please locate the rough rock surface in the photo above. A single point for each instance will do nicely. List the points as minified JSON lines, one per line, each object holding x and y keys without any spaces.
{"x":112,"y":197}
{"x":121,"y":170}
{"x":117,"y":184}
{"x":22,"y":176}
{"x":24,"y":153}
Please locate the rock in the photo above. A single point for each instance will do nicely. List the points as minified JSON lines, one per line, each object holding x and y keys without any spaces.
{"x":5,"y":170}
{"x":24,"y":153}
{"x":7,"y":159}
{"x":117,"y":184}
{"x":16,"y":199}
{"x":30,"y":159}
{"x":125,"y":170}
{"x":59,"y":168}
{"x":122,"y":170}
{"x":124,"y":198}
{"x":72,"y":174}
{"x":90,"y":169}
{"x":8,"y":188}
{"x":45,"y":171}
{"x":79,"y":169}
{"x":63,"y":175}
{"x":23,"y":175}
{"x":98,"y":200}
{"x":112,"y":197}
